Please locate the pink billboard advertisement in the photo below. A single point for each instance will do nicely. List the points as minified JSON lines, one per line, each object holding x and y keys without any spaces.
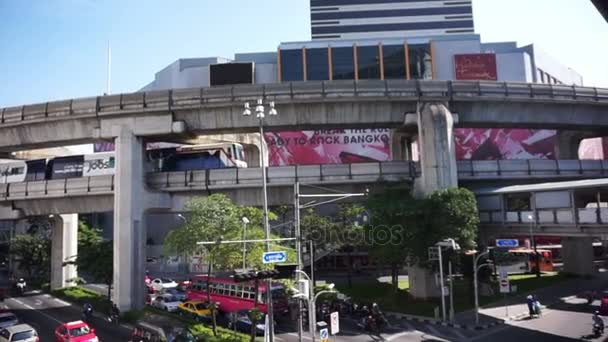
{"x":334,"y":146}
{"x":496,"y":144}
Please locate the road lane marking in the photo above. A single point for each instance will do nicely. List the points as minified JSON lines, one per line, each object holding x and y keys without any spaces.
{"x":40,"y":312}
{"x":62,"y":302}
{"x":458,"y":333}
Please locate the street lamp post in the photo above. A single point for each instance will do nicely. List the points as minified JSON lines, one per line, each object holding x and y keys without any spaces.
{"x":533,"y":242}
{"x":475,"y":288}
{"x":450,"y":244}
{"x":245,"y":222}
{"x":312,"y":308}
{"x":260,"y":113}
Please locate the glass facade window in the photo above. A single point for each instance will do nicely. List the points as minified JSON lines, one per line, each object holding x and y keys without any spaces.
{"x":421,"y":63}
{"x":394,"y":61}
{"x":317,"y":67}
{"x":368,"y":58}
{"x":343,"y":65}
{"x":292,"y":67}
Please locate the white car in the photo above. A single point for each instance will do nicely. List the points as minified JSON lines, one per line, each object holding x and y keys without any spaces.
{"x":19,"y":332}
{"x":159,"y":284}
{"x":166,"y":302}
{"x":7,"y":319}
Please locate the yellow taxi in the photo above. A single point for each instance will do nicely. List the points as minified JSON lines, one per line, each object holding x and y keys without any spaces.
{"x":196,"y":309}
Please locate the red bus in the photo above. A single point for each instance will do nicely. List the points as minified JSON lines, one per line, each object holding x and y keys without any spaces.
{"x":233,"y":296}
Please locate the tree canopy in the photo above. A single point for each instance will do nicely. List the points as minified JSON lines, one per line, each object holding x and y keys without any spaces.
{"x":216,"y":218}
{"x":403,"y":227}
{"x":33,"y":255}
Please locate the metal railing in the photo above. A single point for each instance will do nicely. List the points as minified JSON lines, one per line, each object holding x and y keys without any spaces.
{"x":546,"y":217}
{"x":531,"y":168}
{"x":294,"y":92}
{"x":312,"y":174}
{"x":282,"y":176}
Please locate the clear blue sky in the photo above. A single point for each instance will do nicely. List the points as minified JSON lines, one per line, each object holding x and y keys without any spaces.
{"x":56,"y":49}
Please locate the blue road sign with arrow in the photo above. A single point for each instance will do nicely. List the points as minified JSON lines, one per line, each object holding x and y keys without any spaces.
{"x":507,"y":243}
{"x":274,"y":257}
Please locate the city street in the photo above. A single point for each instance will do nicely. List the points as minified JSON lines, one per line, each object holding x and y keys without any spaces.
{"x":45,"y":313}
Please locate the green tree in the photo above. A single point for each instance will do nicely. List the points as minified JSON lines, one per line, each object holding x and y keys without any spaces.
{"x":33,"y":255}
{"x":217,"y":218}
{"x":95,"y":256}
{"x":350,"y":233}
{"x":391,"y":231}
{"x":403,"y":227}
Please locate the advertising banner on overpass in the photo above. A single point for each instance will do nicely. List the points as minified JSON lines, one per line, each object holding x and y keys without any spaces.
{"x":502,"y":144}
{"x":336,"y":146}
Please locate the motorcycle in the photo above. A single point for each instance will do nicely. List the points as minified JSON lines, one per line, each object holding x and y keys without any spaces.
{"x":87,"y":315}
{"x":598,"y":330}
{"x":113,"y":318}
{"x":21,"y":287}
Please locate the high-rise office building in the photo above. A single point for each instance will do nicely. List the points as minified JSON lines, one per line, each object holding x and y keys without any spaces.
{"x":355,"y":19}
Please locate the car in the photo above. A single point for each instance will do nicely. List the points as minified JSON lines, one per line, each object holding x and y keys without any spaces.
{"x":77,"y":331}
{"x":196,"y":309}
{"x":177,"y":293}
{"x":144,"y":331}
{"x":604,"y":306}
{"x":19,"y":332}
{"x":7,"y":319}
{"x":240,"y":321}
{"x":166,"y":302}
{"x":159,"y":284}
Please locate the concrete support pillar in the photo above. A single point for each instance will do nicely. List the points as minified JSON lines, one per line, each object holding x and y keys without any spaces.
{"x":577,"y":253}
{"x":252,"y":150}
{"x":438,"y":166}
{"x":568,"y":142}
{"x":129,"y":228}
{"x":437,"y":149}
{"x":64,"y":248}
{"x":401,"y":146}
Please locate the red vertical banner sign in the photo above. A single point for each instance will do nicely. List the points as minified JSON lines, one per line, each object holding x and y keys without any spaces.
{"x":476,"y":67}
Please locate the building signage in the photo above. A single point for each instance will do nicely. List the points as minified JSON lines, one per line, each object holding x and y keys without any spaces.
{"x":503,"y":280}
{"x":507,"y":243}
{"x":274,"y":257}
{"x":476,"y":67}
{"x":335,"y":322}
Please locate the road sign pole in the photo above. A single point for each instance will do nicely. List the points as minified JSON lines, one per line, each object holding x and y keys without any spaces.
{"x":441,"y":284}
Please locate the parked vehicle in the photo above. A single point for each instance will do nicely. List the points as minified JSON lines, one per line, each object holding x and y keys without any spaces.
{"x":77,"y":331}
{"x":166,"y":302}
{"x":19,"y":332}
{"x":8,"y":319}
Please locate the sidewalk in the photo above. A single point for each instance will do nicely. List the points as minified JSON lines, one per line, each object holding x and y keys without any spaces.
{"x":516,"y":306}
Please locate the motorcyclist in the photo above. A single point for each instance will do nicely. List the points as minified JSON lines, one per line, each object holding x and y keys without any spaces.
{"x":87,"y":311}
{"x":21,"y":284}
{"x":377,"y":314}
{"x":599,"y":321}
{"x":114,"y":312}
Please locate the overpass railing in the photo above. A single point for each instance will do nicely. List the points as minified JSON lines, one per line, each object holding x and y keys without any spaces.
{"x":402,"y":90}
{"x":98,"y":185}
{"x":282,"y":175}
{"x":546,"y":217}
{"x":531,"y":168}
{"x":313,"y":174}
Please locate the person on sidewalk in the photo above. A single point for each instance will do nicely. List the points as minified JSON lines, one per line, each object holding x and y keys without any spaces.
{"x":530,"y":302}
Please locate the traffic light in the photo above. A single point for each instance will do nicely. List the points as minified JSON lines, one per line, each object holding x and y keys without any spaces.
{"x":241,"y":277}
{"x":244,"y":277}
{"x":286,"y":271}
